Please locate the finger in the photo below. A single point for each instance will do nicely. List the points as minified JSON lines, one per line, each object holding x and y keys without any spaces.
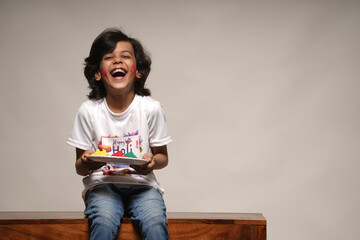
{"x":135,"y":166}
{"x":83,"y":159}
{"x":148,"y":156}
{"x":151,"y":164}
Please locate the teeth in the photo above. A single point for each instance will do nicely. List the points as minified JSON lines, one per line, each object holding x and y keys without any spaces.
{"x":119,"y":70}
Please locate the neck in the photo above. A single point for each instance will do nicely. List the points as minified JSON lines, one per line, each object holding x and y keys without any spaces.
{"x":119,"y":103}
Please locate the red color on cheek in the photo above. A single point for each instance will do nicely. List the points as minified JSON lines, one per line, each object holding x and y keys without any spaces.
{"x":132,"y":71}
{"x":103,"y":72}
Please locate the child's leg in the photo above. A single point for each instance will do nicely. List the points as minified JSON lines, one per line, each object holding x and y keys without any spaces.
{"x":148,"y":211}
{"x":104,"y":209}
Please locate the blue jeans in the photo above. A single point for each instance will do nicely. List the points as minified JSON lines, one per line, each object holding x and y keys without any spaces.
{"x":106,"y":205}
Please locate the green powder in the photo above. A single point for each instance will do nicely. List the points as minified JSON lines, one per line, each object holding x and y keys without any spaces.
{"x":130,"y":155}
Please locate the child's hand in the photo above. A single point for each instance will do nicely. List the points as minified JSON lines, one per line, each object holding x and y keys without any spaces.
{"x":86,"y":165}
{"x":146,"y":168}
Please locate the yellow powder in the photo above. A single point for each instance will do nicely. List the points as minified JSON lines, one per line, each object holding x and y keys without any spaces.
{"x":100,"y":153}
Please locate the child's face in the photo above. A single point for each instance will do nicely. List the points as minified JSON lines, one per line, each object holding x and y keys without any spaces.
{"x":118,"y":69}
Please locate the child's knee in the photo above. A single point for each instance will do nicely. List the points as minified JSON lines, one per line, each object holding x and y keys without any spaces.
{"x":156,"y":228}
{"x":104,"y":213}
{"x":103,"y":230}
{"x":104,"y":223}
{"x":154,"y":219}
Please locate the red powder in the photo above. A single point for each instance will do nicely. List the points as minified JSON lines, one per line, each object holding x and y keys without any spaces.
{"x":132,"y":71}
{"x":118,"y":154}
{"x":103,"y":72}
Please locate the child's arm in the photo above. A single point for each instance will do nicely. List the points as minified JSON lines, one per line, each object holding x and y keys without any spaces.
{"x":83,"y":165}
{"x":157,"y":159}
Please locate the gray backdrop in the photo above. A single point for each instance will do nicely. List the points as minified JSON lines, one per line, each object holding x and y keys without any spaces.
{"x":261,"y":97}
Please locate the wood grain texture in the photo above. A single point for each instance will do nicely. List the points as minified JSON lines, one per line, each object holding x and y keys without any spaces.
{"x":258,"y":232}
{"x":73,"y":225}
{"x":44,"y":231}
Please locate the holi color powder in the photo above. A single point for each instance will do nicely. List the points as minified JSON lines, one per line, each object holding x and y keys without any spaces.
{"x":130,"y":155}
{"x":118,"y":154}
{"x":132,"y":71}
{"x":103,"y":72}
{"x":100,"y":153}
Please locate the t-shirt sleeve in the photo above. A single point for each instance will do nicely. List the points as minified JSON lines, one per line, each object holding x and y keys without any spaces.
{"x":81,"y":134}
{"x":158,"y":131}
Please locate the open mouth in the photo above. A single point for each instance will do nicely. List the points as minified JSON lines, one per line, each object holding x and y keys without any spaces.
{"x":118,"y":72}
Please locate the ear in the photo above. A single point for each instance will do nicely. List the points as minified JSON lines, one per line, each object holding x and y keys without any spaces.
{"x":97,"y":76}
{"x":137,"y":74}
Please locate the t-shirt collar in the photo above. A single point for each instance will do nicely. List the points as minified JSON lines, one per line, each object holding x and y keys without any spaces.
{"x":129,"y":110}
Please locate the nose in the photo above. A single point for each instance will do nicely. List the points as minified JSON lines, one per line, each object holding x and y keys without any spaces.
{"x":117,"y":60}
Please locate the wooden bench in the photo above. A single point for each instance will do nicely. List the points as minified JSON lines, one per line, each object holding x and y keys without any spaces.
{"x":73,"y":225}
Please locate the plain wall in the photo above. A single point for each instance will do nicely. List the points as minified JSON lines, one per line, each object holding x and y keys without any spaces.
{"x":261,"y":98}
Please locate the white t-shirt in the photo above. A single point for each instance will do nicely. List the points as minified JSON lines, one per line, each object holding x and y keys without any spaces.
{"x":134,"y":131}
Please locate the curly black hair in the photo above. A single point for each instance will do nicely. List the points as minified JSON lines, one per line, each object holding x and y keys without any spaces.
{"x":106,"y":43}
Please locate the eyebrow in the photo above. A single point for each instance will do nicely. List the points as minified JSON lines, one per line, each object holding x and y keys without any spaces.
{"x":128,"y":51}
{"x":124,"y":51}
